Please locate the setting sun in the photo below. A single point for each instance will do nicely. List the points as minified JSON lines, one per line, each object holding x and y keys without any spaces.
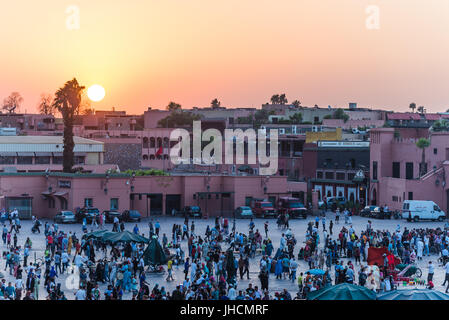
{"x":96,"y":93}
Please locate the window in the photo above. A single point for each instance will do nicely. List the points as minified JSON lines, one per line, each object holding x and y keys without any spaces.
{"x":435,"y":151}
{"x":114,"y":203}
{"x":409,"y":170}
{"x":374,"y":170}
{"x":396,"y":170}
{"x":319,"y":174}
{"x":341,"y":176}
{"x":79,"y":159}
{"x":24,"y":160}
{"x":6,"y":160}
{"x":88,"y":202}
{"x":57,"y":160}
{"x":281,"y":172}
{"x":423,"y":168}
{"x":329,"y":175}
{"x":42,"y":160}
{"x":51,"y":202}
{"x":410,"y":195}
{"x":395,"y":198}
{"x":351,"y":176}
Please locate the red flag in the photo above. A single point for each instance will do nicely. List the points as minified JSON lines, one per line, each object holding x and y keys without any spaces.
{"x":159,"y":151}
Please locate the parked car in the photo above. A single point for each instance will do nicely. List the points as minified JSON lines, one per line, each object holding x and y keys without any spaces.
{"x":366,"y":211}
{"x":109,"y":215}
{"x":263,"y":209}
{"x":422,"y":210}
{"x":192,"y":211}
{"x":244,"y":212}
{"x":378,"y":213}
{"x":65,"y":217}
{"x":293,"y":207}
{"x":87,"y":212}
{"x":131,"y":215}
{"x":331,"y":201}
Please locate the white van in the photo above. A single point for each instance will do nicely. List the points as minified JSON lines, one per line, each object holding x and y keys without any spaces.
{"x":422,"y":210}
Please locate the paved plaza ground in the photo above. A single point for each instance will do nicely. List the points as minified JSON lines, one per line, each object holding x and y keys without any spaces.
{"x":298,"y":227}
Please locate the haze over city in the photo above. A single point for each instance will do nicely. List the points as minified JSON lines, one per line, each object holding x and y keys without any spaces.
{"x":147,"y":53}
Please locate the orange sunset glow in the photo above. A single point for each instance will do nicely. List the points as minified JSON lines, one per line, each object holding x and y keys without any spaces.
{"x":147,"y":53}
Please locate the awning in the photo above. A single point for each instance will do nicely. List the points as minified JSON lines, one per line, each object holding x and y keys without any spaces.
{"x":43,"y":154}
{"x":47,"y":193}
{"x":60,"y":193}
{"x":25,"y":154}
{"x":8,"y":154}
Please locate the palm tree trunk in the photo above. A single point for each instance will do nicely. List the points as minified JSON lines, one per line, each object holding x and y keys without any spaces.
{"x":423,"y":162}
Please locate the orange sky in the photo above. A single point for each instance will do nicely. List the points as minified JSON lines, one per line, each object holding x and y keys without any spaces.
{"x":148,"y":52}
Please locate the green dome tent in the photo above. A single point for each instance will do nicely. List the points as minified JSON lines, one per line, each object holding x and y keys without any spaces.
{"x":413,"y":294}
{"x":343,"y":291}
{"x":154,"y":254}
{"x":125,"y":236}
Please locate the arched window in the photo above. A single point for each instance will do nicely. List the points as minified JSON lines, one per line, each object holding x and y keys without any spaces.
{"x":166,"y":142}
{"x":145,"y":157}
{"x":152,"y":142}
{"x":166,"y":156}
{"x":159,"y":142}
{"x":152,"y":157}
{"x":145,"y":142}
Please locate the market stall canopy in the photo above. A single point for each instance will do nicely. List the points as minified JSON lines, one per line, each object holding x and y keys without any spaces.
{"x":344,"y":291}
{"x":125,"y":236}
{"x":413,"y":294}
{"x":154,"y":254}
{"x":316,"y":272}
{"x":99,"y":234}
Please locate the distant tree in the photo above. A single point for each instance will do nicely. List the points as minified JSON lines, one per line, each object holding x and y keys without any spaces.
{"x":215,"y":103}
{"x":67,"y":101}
{"x":412,"y":106}
{"x":327,"y":116}
{"x":275,"y":99}
{"x":89,"y":112}
{"x":283,"y":99}
{"x":12,"y":102}
{"x":178,"y":118}
{"x":422,"y":144}
{"x":173,"y":106}
{"x":440,"y":125}
{"x":340,"y":114}
{"x":421,"y":109}
{"x":296,"y":103}
{"x":45,"y":105}
{"x":296,"y":118}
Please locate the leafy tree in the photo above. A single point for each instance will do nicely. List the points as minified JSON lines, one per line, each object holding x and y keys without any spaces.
{"x":173,"y":106}
{"x":412,"y":106}
{"x":215,"y":103}
{"x":45,"y":105}
{"x":275,"y":99}
{"x":327,"y":116}
{"x":178,"y":118}
{"x":422,"y":144}
{"x":67,"y":101}
{"x":12,"y":102}
{"x":296,"y":103}
{"x":296,"y":118}
{"x":89,"y":111}
{"x":340,"y":114}
{"x":440,"y":125}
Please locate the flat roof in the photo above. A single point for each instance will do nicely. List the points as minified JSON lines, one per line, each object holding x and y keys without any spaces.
{"x":43,"y":140}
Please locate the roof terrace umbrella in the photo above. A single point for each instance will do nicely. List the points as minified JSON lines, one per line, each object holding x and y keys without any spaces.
{"x":413,"y":294}
{"x":343,"y":291}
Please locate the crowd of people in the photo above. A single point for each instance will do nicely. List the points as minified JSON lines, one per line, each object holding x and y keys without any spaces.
{"x":215,"y":263}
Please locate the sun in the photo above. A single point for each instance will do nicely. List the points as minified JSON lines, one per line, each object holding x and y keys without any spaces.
{"x":95,"y":92}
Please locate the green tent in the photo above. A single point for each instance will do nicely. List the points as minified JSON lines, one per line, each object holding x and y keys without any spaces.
{"x":154,"y":254}
{"x":99,"y":234}
{"x":413,"y":294}
{"x":125,"y":236}
{"x":343,"y":291}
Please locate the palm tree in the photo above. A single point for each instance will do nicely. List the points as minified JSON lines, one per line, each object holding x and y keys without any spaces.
{"x":67,"y":101}
{"x":421,"y":109}
{"x":12,"y":102}
{"x":422,"y":144}
{"x":283,"y":99}
{"x":412,"y":106}
{"x":275,"y":99}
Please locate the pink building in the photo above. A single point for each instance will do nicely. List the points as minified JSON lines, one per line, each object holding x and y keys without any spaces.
{"x":42,"y":194}
{"x":395,"y":164}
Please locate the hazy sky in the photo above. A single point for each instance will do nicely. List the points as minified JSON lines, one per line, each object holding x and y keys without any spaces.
{"x":148,"y":52}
